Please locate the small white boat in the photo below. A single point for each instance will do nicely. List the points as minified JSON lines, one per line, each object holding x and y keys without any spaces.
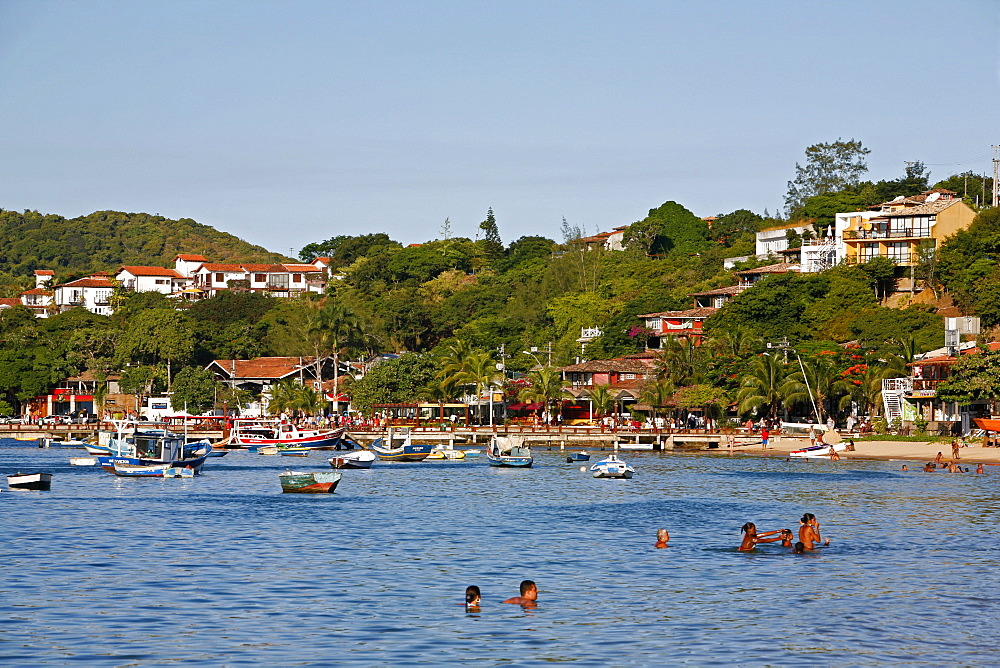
{"x":267,"y":450}
{"x":446,"y":453}
{"x":472,"y":453}
{"x":612,"y":467}
{"x":820,"y":450}
{"x":360,"y":459}
{"x":37,"y":481}
{"x":83,"y":461}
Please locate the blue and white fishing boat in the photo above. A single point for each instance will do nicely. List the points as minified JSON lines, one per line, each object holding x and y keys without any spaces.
{"x":143,"y":444}
{"x":581,"y":456}
{"x":509,"y":451}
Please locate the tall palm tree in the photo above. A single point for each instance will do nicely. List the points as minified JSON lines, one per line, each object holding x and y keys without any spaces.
{"x":337,"y":330}
{"x":823,"y":383}
{"x":736,"y":342}
{"x":761,"y":386}
{"x":480,"y":370}
{"x":680,"y":362}
{"x":547,"y":386}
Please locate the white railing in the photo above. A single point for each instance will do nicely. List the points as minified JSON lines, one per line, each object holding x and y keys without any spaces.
{"x":897,"y":384}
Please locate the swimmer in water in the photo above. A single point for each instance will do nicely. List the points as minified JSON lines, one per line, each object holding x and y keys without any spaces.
{"x":979,"y":469}
{"x":751,"y":537}
{"x":799,"y":548}
{"x":904,"y":468}
{"x":472,"y":597}
{"x":929,"y":467}
{"x":662,"y":536}
{"x":786,"y":537}
{"x":809,"y":532}
{"x":529,"y":594}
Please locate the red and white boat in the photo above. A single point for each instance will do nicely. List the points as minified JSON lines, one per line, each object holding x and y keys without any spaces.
{"x":260,"y":433}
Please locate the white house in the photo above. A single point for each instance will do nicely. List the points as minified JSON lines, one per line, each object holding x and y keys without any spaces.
{"x":186,"y":264}
{"x":92,"y":293}
{"x":150,"y":279}
{"x":773,"y":240}
{"x":214,"y":276}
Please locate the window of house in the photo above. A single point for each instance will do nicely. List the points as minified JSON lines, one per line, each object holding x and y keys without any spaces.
{"x":161,"y":281}
{"x":279,"y":280}
{"x":260,"y":278}
{"x":922,"y":226}
{"x":899,"y":251}
{"x":868,"y":251}
{"x":296,"y":278}
{"x":219,"y":278}
{"x":653,"y":323}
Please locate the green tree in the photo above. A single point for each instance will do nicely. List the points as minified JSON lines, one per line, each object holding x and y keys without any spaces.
{"x":155,"y":336}
{"x":490,"y":243}
{"x":658,"y":395}
{"x":731,"y":226}
{"x":602,"y":399}
{"x":193,"y":390}
{"x":670,"y":227}
{"x":547,"y":387}
{"x":828,"y":167}
{"x":974,"y":377}
{"x":399,"y":380}
{"x":761,"y":387}
{"x":820,"y":383}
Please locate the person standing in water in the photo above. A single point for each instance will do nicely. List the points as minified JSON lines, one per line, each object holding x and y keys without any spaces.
{"x":751,"y":537}
{"x":529,"y":594}
{"x":979,"y":469}
{"x":809,"y":532}
{"x":662,"y":536}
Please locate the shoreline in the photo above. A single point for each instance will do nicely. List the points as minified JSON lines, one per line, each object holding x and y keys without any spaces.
{"x":917,"y":451}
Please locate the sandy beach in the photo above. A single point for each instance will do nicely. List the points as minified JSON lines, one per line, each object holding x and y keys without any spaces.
{"x":888,"y":450}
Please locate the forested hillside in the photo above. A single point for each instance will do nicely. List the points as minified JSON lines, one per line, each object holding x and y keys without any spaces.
{"x":106,"y":239}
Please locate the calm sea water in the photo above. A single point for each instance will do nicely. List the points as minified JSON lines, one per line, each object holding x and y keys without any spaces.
{"x":224,"y":569}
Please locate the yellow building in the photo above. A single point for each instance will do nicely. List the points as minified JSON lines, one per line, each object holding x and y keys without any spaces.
{"x":901,"y":227}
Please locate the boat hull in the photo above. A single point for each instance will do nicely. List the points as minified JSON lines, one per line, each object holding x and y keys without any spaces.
{"x":578,"y":457}
{"x":987,"y":424}
{"x":39,"y":482}
{"x":109,"y":463}
{"x":612,"y":467}
{"x":319,"y":482}
{"x":83,"y":461}
{"x":408,"y":453}
{"x":818,"y":451}
{"x":515,"y":462}
{"x":357,"y":460}
{"x":326,"y":439}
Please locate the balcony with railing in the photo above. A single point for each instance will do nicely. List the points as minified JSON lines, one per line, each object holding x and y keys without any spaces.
{"x":905,"y":233}
{"x":902,"y":259}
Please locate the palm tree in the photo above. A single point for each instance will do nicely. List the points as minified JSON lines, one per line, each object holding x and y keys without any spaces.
{"x":657,"y":394}
{"x":680,"y":362}
{"x":480,"y":370}
{"x":821,"y":379}
{"x":737,"y":342}
{"x":546,"y":386}
{"x":761,"y":386}
{"x":334,"y":329}
{"x":601,"y":398}
{"x":866,"y":388}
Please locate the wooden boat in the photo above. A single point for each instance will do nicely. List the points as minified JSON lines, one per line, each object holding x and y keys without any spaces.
{"x":294,"y":451}
{"x":577,"y":457}
{"x":612,"y":467}
{"x":317,"y":482}
{"x":140,"y":470}
{"x":247,"y":433}
{"x":362,"y":459}
{"x":61,"y":443}
{"x":40,"y":482}
{"x":508,"y":451}
{"x":408,"y":452}
{"x":267,"y":450}
{"x":83,"y":461}
{"x":472,"y":453}
{"x":218,"y":453}
{"x":143,"y":444}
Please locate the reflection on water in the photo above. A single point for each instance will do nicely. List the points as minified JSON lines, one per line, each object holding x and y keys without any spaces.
{"x":225,"y":569}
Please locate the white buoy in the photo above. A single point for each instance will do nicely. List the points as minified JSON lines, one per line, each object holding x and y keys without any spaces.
{"x":583,"y":469}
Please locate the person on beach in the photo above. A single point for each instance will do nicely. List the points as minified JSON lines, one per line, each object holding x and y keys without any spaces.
{"x":954,"y":451}
{"x":529,"y":594}
{"x":929,"y":468}
{"x":809,"y":532}
{"x":937,"y":460}
{"x":472,"y":597}
{"x":812,"y":437}
{"x":834,"y":457}
{"x":979,"y":469}
{"x":751,"y":537}
{"x":662,"y":536}
{"x":765,"y":436}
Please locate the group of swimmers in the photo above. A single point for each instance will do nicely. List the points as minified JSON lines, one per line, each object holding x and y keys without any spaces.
{"x":529,"y":594}
{"x":952,"y":467}
{"x":809,"y":536}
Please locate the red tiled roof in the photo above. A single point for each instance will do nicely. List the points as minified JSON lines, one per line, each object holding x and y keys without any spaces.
{"x":702,"y":312}
{"x":37,"y":291}
{"x":300,"y":267}
{"x":10,"y":301}
{"x":149,"y":271}
{"x":263,"y":367}
{"x":948,"y":359}
{"x":90,"y":282}
{"x":729,"y":290}
{"x":263,"y":267}
{"x":780,"y":268}
{"x":621,"y":365}
{"x":191,"y":258}
{"x":44,"y":272}
{"x":216,"y":266}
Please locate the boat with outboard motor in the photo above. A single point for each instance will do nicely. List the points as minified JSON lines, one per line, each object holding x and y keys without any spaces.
{"x":509,"y":451}
{"x":39,"y":482}
{"x":360,"y":459}
{"x":407,"y":452}
{"x":306,"y":482}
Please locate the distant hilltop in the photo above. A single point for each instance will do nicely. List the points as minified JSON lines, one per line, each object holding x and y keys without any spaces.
{"x":105,"y":240}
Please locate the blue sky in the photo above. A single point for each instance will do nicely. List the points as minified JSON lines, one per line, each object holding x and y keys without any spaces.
{"x":286,"y":123}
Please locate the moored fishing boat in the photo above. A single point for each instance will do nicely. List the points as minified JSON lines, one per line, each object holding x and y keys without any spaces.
{"x":140,"y":470}
{"x":509,"y":451}
{"x":612,"y":467}
{"x":39,"y":482}
{"x":361,"y":459}
{"x":294,"y":450}
{"x":83,"y":461}
{"x":142,"y":444}
{"x":258,"y":433}
{"x":581,"y":456}
{"x":266,"y":450}
{"x":314,"y":482}
{"x":407,"y":452}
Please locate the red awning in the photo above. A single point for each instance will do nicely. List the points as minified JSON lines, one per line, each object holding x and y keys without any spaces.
{"x":532,"y":407}
{"x":515,"y":407}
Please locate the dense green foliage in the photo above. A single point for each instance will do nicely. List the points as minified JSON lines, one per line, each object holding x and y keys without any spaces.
{"x":105,"y":240}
